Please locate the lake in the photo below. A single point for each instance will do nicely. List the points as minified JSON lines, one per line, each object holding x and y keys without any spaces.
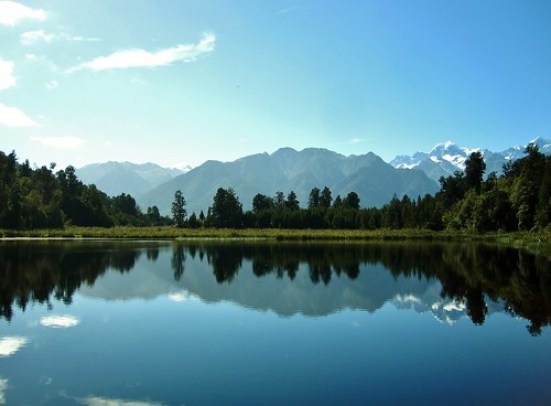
{"x":195,"y":323}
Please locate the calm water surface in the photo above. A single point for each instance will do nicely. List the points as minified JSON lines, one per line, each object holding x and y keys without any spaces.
{"x":162,"y":323}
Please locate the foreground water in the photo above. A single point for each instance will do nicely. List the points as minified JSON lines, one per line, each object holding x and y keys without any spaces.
{"x":162,"y":323}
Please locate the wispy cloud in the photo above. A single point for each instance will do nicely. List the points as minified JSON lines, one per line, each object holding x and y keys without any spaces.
{"x":7,"y":79}
{"x":60,"y":142}
{"x":79,"y":38}
{"x":13,"y":117}
{"x":33,"y":37}
{"x":139,"y":58}
{"x":356,"y":140}
{"x":41,"y":59}
{"x":12,"y":13}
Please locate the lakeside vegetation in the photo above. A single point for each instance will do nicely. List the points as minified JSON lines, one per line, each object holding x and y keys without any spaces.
{"x":536,"y":242}
{"x":40,"y":203}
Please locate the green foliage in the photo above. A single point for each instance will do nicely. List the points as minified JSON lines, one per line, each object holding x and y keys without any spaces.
{"x":326,"y":198}
{"x":520,"y":199}
{"x":474,"y":171}
{"x":178,"y":209}
{"x":292,"y":203}
{"x":262,"y":202}
{"x":226,"y":210}
{"x":41,"y":199}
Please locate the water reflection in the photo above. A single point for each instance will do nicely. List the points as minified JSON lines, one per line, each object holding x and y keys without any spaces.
{"x":10,"y":345}
{"x":100,"y":401}
{"x":59,"y":321}
{"x":315,"y":279}
{"x":3,"y":388}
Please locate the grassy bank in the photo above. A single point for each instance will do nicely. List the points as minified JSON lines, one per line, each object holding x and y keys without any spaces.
{"x":533,"y":241}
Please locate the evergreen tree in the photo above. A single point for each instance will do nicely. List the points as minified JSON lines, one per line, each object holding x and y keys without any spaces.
{"x":352,"y":201}
{"x":326,"y":199}
{"x":314,"y":198}
{"x":226,"y":210}
{"x":292,"y":203}
{"x":178,"y":209}
{"x":474,"y":171}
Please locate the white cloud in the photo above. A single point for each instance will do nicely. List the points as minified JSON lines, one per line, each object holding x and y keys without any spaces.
{"x":60,"y":143}
{"x":59,"y":321}
{"x":31,"y":37}
{"x":10,"y":345}
{"x":139,"y":58}
{"x":78,"y":38}
{"x":13,"y":117}
{"x":12,"y":13}
{"x":7,"y":79}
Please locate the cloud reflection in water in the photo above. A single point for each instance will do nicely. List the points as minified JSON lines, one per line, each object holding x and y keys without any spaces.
{"x":181,"y":296}
{"x":59,"y":321}
{"x":10,"y":345}
{"x":3,"y":387}
{"x":99,"y":401}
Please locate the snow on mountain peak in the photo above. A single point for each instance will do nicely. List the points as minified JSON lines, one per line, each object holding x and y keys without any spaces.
{"x":443,"y":146}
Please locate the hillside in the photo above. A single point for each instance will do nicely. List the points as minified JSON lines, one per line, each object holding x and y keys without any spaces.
{"x":287,"y":169}
{"x":115,"y":178}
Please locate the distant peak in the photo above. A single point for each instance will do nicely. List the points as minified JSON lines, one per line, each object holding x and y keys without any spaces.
{"x":540,"y":141}
{"x":285,"y":149}
{"x":444,"y":145}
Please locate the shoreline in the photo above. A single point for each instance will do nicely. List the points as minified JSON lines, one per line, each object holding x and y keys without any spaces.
{"x":538,"y":241}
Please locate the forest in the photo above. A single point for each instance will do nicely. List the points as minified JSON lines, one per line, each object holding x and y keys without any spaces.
{"x":518,"y":199}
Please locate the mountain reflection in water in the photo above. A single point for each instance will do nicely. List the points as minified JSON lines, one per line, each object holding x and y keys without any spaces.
{"x":314,"y":279}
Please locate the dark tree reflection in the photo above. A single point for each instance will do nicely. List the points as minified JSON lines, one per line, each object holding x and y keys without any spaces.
{"x":472,"y":274}
{"x":37,"y":272}
{"x":178,"y":261}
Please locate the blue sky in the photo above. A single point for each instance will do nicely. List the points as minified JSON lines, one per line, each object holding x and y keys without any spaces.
{"x":181,"y":82}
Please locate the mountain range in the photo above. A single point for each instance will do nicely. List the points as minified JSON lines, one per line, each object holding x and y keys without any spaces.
{"x":115,"y":178}
{"x":287,"y":170}
{"x":373,"y":288}
{"x":446,"y":158}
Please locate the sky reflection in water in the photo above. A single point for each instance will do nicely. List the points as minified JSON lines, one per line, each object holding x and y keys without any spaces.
{"x":208,"y":323}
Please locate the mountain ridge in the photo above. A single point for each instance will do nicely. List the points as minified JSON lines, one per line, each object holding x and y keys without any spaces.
{"x":447,"y":157}
{"x":115,"y":177}
{"x":287,"y":170}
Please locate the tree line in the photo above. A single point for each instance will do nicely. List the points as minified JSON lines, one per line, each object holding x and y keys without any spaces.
{"x":518,"y":199}
{"x":34,"y":198}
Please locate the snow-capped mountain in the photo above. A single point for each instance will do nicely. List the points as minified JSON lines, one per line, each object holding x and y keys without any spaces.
{"x":447,"y":157}
{"x":445,"y":310}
